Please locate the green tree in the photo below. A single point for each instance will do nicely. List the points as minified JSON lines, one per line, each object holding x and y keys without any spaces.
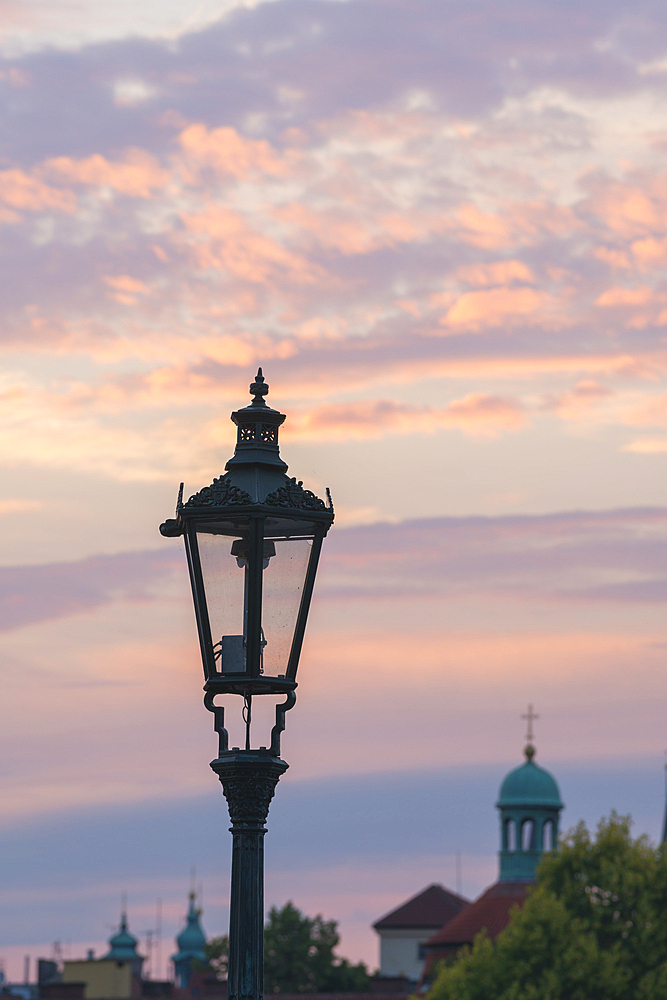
{"x":217,"y":955}
{"x":592,"y":929}
{"x":299,"y":955}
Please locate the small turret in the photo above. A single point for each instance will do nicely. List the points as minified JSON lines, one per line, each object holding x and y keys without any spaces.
{"x":191,"y":945}
{"x":530,"y":806}
{"x":123,"y":947}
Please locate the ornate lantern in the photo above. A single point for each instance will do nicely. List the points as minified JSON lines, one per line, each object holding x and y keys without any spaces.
{"x":253,"y":540}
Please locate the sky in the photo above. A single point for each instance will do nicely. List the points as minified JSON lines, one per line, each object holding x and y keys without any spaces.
{"x":441,"y":229}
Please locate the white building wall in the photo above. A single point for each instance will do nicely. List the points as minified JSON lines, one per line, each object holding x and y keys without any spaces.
{"x":399,"y":951}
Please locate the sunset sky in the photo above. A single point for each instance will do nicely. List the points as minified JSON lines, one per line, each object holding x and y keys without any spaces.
{"x":441,"y":228}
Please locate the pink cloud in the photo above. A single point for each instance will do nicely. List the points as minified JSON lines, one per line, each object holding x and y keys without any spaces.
{"x":595,"y":556}
{"x":516,"y":224}
{"x":584,"y":397}
{"x":650,"y":254}
{"x":125,"y":288}
{"x":499,"y":272}
{"x":613,"y":256}
{"x":652,"y":410}
{"x":19,"y":190}
{"x":138,"y":175}
{"x":348,"y":232}
{"x":475,"y":414}
{"x":647,"y":446}
{"x":637,"y":296}
{"x":227,"y":152}
{"x":223,"y":239}
{"x":495,"y":306}
{"x":39,"y":593}
{"x":632,"y":208}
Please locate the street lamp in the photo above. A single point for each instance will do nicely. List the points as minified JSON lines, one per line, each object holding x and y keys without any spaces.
{"x":253,"y":540}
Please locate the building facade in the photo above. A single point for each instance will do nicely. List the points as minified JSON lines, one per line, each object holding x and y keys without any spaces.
{"x":405,"y":931}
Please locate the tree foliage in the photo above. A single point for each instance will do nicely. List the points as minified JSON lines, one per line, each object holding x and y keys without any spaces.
{"x":299,"y":955}
{"x":217,"y":955}
{"x":594,"y":928}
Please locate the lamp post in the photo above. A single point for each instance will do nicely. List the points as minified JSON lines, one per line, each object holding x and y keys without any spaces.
{"x":252,"y":540}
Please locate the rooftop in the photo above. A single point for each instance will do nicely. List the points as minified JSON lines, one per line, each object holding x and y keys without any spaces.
{"x":491,"y":912}
{"x":432,"y":907}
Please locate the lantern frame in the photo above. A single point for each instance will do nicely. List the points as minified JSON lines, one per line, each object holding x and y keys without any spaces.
{"x":254,"y":500}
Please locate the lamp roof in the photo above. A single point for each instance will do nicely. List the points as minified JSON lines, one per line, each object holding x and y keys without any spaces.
{"x":255,"y":475}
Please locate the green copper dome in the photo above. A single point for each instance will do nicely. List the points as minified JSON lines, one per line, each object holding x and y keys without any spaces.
{"x":529,"y":785}
{"x":123,"y":944}
{"x":192,"y":938}
{"x":123,"y":947}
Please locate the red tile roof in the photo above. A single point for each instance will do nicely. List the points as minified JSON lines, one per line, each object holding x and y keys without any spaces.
{"x":433,"y":907}
{"x":491,"y":912}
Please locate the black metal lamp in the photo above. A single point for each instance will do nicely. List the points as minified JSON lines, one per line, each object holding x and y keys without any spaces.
{"x":253,"y":540}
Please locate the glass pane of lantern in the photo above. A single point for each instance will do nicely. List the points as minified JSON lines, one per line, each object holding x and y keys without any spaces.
{"x":284,"y":577}
{"x":223,"y":564}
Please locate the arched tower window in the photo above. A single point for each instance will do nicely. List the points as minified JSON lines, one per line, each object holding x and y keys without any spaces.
{"x":510,"y":835}
{"x":528,"y":835}
{"x":548,"y":839}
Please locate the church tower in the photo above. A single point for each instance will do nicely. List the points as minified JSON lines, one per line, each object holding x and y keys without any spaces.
{"x":123,"y":947}
{"x":530,"y":806}
{"x":191,"y":945}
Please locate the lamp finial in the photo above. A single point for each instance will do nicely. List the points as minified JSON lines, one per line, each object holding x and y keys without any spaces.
{"x":259,"y":388}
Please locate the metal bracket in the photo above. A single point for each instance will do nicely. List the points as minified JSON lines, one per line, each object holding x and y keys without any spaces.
{"x":223,"y":735}
{"x":218,"y":722}
{"x":290,"y":702}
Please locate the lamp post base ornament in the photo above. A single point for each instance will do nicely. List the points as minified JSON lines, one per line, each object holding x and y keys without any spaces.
{"x":249,"y":779}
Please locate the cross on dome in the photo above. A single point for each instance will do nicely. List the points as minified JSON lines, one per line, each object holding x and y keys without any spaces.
{"x":530,"y":717}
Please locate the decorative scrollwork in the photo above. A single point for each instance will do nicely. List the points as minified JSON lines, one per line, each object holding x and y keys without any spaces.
{"x":220,"y":493}
{"x":279,"y":727}
{"x":292,"y":494}
{"x":249,"y":779}
{"x":249,"y":797}
{"x":219,"y":721}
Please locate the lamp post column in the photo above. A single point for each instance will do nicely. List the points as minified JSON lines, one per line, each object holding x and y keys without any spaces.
{"x":252,"y":541}
{"x":249,"y":779}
